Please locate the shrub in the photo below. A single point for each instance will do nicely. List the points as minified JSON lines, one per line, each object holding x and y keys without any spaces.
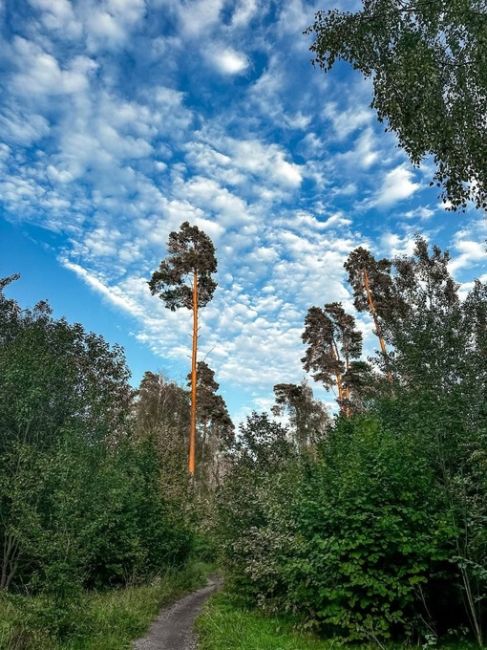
{"x":358,"y":542}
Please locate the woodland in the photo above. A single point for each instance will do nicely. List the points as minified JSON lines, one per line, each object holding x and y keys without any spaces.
{"x":367,"y":527}
{"x":364,"y":526}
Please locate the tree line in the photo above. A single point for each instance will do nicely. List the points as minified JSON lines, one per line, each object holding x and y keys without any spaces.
{"x":372,"y":526}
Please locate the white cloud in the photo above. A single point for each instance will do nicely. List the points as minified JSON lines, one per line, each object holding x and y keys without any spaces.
{"x":255,"y":157}
{"x":345,"y":122}
{"x":470,"y":253}
{"x":112,"y":294}
{"x":198,"y":16}
{"x":229,"y":208}
{"x":58,"y":15}
{"x":270,"y":94}
{"x":108,"y":23}
{"x":244,"y":12}
{"x":421,"y":212}
{"x":393,"y":245}
{"x":337,"y":219}
{"x":40,"y":73}
{"x":397,"y":185}
{"x":229,"y":61}
{"x":239,"y":161}
{"x":23,"y":130}
{"x":104,"y":27}
{"x":364,"y":152}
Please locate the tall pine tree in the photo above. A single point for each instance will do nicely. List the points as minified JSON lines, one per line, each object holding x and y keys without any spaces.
{"x":333,"y":353}
{"x":371,"y":282}
{"x":184,"y":279}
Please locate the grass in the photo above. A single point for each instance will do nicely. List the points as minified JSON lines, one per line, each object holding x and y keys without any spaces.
{"x":108,"y":620}
{"x":224,"y":625}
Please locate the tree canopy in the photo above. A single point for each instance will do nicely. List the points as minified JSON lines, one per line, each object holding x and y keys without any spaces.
{"x":428,"y":63}
{"x":333,"y":352}
{"x":307,"y":416}
{"x":81,"y":499}
{"x":190,"y":250}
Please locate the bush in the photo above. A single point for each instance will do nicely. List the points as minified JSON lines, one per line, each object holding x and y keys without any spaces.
{"x":371,"y":536}
{"x":359,"y":542}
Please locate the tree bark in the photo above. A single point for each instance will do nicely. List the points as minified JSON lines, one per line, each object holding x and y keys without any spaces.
{"x":192,"y":428}
{"x":9,"y":562}
{"x":342,"y":392}
{"x":373,"y":312}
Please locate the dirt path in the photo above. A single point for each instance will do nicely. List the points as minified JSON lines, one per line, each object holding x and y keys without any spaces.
{"x":173,"y":629}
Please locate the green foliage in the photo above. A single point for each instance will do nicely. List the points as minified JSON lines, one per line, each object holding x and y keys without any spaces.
{"x":308,"y":417}
{"x":105,"y":620}
{"x":334,"y":346}
{"x":381,"y":535}
{"x":253,"y":508}
{"x":370,"y":534}
{"x":346,"y":541}
{"x":427,"y":60}
{"x":215,"y":430}
{"x":82,"y":500}
{"x":190,"y":251}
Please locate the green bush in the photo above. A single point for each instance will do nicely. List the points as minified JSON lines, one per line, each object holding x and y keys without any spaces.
{"x":371,"y":537}
{"x":359,"y":542}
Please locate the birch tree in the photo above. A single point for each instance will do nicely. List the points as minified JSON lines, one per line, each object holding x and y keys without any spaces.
{"x":426,"y":60}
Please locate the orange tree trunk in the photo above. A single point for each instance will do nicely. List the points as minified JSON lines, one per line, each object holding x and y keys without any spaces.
{"x":373,"y":312}
{"x":342,"y":391}
{"x":192,"y":427}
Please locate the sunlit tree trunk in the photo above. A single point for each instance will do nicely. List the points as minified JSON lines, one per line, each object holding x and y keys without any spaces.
{"x":373,"y":313}
{"x":342,"y":391}
{"x":192,"y":427}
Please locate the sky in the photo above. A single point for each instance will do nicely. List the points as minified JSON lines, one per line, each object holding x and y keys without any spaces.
{"x":120,"y":119}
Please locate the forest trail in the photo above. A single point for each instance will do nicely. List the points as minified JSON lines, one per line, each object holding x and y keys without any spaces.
{"x":173,"y":628}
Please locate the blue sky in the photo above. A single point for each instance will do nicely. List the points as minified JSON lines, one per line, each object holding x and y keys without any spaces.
{"x":119,"y":119}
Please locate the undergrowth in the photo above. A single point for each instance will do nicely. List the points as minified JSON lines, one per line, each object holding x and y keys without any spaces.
{"x":225,"y":624}
{"x":108,"y":620}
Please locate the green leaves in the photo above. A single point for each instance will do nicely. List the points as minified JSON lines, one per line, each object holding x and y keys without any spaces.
{"x":81,"y":501}
{"x":428,"y":65}
{"x":190,"y":251}
{"x":333,"y":347}
{"x":359,"y":542}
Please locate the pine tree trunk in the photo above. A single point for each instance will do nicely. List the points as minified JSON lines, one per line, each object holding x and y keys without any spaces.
{"x":192,"y":430}
{"x":373,"y":312}
{"x":342,"y":391}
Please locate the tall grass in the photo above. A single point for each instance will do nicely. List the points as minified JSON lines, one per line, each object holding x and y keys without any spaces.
{"x":108,"y":620}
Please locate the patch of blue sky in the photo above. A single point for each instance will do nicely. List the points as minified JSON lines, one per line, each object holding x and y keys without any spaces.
{"x":122,"y":118}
